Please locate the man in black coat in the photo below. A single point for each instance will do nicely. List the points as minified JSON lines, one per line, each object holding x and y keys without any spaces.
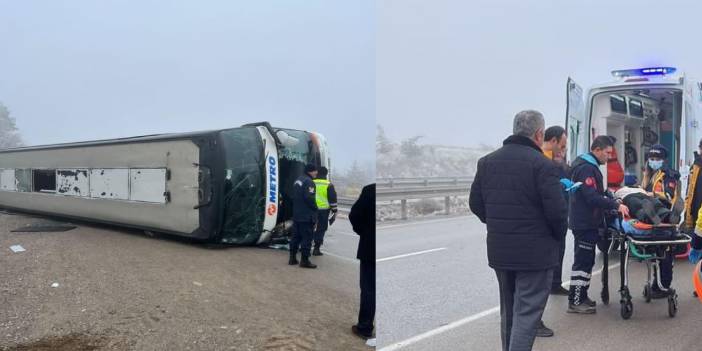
{"x":517,"y":193}
{"x":304,"y":217}
{"x":362,"y":219}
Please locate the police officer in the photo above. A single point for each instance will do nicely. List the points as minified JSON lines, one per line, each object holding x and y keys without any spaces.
{"x":663,"y":183}
{"x":304,"y":217}
{"x":587,"y":206}
{"x":326,"y":203}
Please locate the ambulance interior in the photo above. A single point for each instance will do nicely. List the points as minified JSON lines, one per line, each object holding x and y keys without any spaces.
{"x":638,"y":119}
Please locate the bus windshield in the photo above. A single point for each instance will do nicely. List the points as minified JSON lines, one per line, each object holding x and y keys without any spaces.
{"x":244,"y":185}
{"x":299,"y":148}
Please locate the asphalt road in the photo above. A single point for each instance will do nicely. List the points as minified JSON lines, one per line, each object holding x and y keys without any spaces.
{"x":435,"y":291}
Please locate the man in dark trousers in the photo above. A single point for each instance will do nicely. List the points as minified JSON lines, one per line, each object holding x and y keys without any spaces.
{"x":326,"y":204}
{"x":304,"y":217}
{"x":517,"y":193}
{"x":362,"y":219}
{"x":587,"y":206}
{"x":555,"y":141}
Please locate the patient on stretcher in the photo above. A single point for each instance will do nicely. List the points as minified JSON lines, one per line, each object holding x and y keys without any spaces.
{"x":645,"y":207}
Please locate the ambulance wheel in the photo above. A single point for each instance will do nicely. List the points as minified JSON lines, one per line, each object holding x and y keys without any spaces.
{"x":627,"y":309}
{"x":647,"y":292}
{"x":672,"y":305}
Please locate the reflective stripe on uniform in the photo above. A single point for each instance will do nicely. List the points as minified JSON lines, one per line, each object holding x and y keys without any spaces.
{"x":581,"y":274}
{"x":580,"y":283}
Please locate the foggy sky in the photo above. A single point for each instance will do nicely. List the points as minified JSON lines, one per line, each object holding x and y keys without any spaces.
{"x":458,"y":71}
{"x":85,"y":70}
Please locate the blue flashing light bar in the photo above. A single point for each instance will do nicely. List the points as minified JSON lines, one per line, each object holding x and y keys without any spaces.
{"x":649,"y":71}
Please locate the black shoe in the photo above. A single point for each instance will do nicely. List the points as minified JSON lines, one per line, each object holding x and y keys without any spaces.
{"x":293,"y":259}
{"x":657,"y":293}
{"x":581,"y":308}
{"x":361,"y":335}
{"x":559,"y":290}
{"x":694,"y":293}
{"x":316,"y":251}
{"x":305,"y":262}
{"x":543,"y":331}
{"x":589,"y":302}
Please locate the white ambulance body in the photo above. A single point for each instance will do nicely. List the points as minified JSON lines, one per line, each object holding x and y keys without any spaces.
{"x":642,"y":107}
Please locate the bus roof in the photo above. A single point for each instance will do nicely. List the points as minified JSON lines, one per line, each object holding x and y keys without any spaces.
{"x":125,"y":140}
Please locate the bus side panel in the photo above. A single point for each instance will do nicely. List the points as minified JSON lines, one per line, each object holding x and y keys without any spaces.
{"x":177,"y":215}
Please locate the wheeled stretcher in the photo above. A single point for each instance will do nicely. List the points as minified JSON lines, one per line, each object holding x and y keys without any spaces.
{"x":645,"y":243}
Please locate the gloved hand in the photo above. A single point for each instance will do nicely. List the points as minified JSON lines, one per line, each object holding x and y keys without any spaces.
{"x":569,"y":186}
{"x":567,"y":183}
{"x":332,"y":218}
{"x":695,"y":255}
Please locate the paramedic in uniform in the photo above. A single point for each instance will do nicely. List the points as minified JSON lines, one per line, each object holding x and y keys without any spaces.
{"x":587,"y":206}
{"x":304,"y":217}
{"x":663,"y":183}
{"x":326,"y":203}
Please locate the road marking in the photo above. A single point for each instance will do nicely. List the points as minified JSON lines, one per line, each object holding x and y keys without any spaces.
{"x":458,"y":323}
{"x":409,"y":254}
{"x":390,"y":226}
{"x":347,"y":259}
{"x":440,"y":330}
{"x":342,"y":232}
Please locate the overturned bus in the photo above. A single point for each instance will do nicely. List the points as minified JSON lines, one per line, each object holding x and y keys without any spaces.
{"x":640,"y":108}
{"x":229,"y":186}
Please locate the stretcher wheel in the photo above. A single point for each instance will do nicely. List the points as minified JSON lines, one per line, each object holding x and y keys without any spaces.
{"x":647,"y":292}
{"x":627,"y":309}
{"x":672,"y":305}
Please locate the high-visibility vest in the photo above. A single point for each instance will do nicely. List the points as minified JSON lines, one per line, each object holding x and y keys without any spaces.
{"x":322,"y":199}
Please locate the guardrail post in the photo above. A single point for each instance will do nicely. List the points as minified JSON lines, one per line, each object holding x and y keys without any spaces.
{"x":404,"y":208}
{"x":391,"y":181}
{"x":426,"y":182}
{"x":447,"y":201}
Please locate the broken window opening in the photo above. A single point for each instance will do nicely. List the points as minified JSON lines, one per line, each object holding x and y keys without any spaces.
{"x":44,"y":180}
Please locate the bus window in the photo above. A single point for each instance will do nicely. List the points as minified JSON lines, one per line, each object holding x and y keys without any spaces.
{"x":244,"y":186}
{"x":24,"y":179}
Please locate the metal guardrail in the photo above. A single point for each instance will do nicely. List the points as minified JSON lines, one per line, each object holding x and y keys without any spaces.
{"x":344,"y":203}
{"x":458,"y":187}
{"x":415,"y":182}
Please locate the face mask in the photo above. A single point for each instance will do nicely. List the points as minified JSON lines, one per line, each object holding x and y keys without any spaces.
{"x":655,"y":164}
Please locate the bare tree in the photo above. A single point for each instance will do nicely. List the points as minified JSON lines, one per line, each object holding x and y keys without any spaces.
{"x":382,"y":143}
{"x":9,"y":134}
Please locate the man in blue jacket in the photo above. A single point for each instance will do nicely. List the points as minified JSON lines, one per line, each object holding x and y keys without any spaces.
{"x":587,"y":211}
{"x":304,"y":217}
{"x":517,"y":193}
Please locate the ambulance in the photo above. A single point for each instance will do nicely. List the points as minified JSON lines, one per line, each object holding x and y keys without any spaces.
{"x":639,"y":108}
